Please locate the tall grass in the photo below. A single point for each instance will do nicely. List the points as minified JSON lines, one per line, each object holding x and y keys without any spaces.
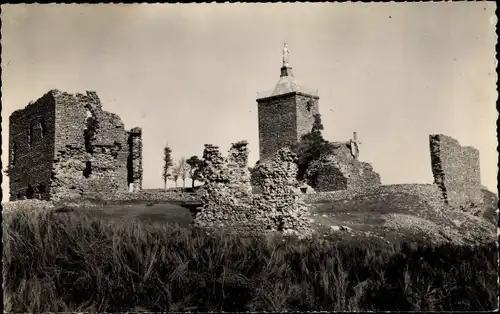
{"x":72,"y":262}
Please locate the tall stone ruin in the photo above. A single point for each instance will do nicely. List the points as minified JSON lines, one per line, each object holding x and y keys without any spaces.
{"x":65,"y":146}
{"x":456,"y":171}
{"x":228,"y":201}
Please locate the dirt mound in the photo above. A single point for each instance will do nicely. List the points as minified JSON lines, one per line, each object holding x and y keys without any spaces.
{"x":393,"y":214}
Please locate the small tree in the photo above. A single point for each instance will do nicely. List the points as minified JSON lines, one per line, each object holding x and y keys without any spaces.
{"x":183,"y":170}
{"x":175,"y":174}
{"x":167,"y":164}
{"x":312,"y":147}
{"x":194,"y":164}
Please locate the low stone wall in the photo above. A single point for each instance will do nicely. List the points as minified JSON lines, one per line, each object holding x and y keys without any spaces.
{"x":428,"y":193}
{"x":143,"y":196}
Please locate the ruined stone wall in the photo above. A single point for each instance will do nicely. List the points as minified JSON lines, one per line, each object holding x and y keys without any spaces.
{"x":427,"y":194}
{"x":341,"y":172}
{"x":31,"y":149}
{"x":91,"y":147}
{"x":456,"y":171}
{"x":228,"y":201}
{"x":134,"y":162}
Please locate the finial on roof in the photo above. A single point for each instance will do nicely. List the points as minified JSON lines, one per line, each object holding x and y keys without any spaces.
{"x":285,"y":56}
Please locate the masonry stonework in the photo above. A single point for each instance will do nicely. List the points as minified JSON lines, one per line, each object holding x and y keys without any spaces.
{"x":228,"y":200}
{"x":134,"y":162}
{"x":456,"y":171}
{"x":31,"y":149}
{"x":86,"y":148}
{"x":341,"y":171}
{"x":285,"y":114}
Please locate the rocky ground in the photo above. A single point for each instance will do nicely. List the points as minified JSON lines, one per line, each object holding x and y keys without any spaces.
{"x":394,"y":223}
{"x":340,"y":219}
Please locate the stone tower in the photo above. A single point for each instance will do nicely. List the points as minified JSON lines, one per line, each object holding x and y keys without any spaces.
{"x":285,"y":113}
{"x":64,"y":146}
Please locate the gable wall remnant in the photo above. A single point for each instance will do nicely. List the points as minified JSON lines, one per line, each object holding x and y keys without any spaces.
{"x":31,"y":149}
{"x":456,"y":171}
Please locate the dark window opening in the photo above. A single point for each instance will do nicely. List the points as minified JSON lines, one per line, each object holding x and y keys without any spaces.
{"x":30,"y":192}
{"x":43,"y":129}
{"x":88,"y":169}
{"x":118,"y":149}
{"x":30,"y":136}
{"x":281,"y":224}
{"x":309,"y":106}
{"x":88,"y":145}
{"x":41,"y":188}
{"x":13,"y":154}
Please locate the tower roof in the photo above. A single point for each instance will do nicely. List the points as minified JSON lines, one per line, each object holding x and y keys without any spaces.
{"x":287,"y":83}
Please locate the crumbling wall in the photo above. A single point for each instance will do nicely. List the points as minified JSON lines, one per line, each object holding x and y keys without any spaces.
{"x":228,"y":200}
{"x":280,"y":201}
{"x":410,"y":197}
{"x":91,"y":147}
{"x":220,"y":206}
{"x":341,"y":171}
{"x":31,"y":149}
{"x":456,"y":171}
{"x":134,"y":162}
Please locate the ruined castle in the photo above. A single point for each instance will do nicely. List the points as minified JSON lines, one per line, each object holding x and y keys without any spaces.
{"x":65,"y":146}
{"x":286,"y":113}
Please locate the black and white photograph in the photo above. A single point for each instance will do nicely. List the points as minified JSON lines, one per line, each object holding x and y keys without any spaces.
{"x":249,"y":157}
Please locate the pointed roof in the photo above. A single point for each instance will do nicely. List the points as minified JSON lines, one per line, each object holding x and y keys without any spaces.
{"x":287,"y":83}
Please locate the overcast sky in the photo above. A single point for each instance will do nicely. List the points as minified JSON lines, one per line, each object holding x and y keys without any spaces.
{"x":189,"y":74}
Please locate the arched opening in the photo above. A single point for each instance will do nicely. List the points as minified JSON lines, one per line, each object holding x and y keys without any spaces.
{"x":88,"y":169}
{"x":30,"y":192}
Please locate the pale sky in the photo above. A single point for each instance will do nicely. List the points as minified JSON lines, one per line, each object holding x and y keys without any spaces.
{"x":189,"y":74}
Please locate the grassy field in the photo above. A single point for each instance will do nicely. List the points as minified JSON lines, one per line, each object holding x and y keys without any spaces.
{"x":136,"y":257}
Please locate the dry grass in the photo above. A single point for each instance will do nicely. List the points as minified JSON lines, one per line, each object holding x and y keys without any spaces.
{"x":74,"y":262}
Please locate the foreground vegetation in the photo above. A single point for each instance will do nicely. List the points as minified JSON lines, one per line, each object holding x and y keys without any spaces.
{"x":72,"y":262}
